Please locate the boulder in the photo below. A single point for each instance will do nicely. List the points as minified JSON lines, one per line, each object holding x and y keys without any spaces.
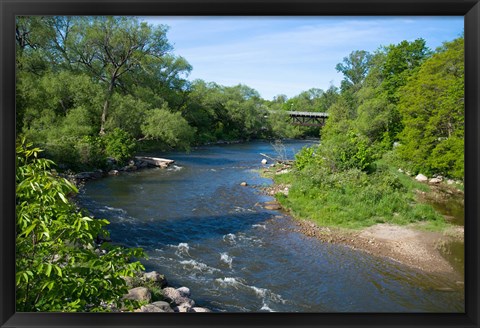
{"x":97,"y":174}
{"x":113,"y":172}
{"x":84,"y":175}
{"x":163,"y":306}
{"x":244,"y":184}
{"x":184,"y":307}
{"x":421,"y":178}
{"x":174,"y":296}
{"x":138,"y":294}
{"x":200,"y":309}
{"x":155,"y":161}
{"x":141,"y":164}
{"x":149,"y":308}
{"x":155,"y":277}
{"x":435,"y":180}
{"x":272,"y":207}
{"x":184,"y":291}
{"x":264,"y":161}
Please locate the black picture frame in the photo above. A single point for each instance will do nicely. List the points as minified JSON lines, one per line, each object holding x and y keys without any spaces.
{"x":470,"y":9}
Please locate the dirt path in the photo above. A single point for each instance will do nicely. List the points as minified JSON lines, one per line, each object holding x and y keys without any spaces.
{"x":409,"y":246}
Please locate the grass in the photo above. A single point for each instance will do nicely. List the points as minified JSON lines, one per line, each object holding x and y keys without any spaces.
{"x":354,"y":199}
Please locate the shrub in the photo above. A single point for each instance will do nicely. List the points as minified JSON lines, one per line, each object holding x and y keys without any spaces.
{"x":58,"y":265}
{"x":119,"y":144}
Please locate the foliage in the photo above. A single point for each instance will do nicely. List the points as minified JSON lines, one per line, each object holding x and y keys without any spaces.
{"x":119,"y":145}
{"x":58,"y":265}
{"x":169,"y":128}
{"x":401,"y":93}
{"x":355,"y":199}
{"x":304,"y":157}
{"x":432,"y":107}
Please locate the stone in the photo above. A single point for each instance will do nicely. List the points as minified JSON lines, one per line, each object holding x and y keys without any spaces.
{"x":113,"y":172}
{"x":272,"y":207}
{"x":138,"y":294}
{"x":163,"y":306}
{"x":421,"y":178}
{"x":264,"y":161}
{"x":155,"y":277}
{"x":184,"y":291}
{"x":435,"y":180}
{"x":244,"y":184}
{"x":155,"y":161}
{"x":131,"y":168}
{"x":173,"y":296}
{"x":184,"y":307}
{"x":450,"y":181}
{"x":84,"y":175}
{"x":142,"y":164}
{"x":200,"y":309}
{"x":149,"y":308}
{"x":97,"y":174}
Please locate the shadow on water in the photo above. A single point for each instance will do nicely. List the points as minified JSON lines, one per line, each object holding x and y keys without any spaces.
{"x":148,"y":233}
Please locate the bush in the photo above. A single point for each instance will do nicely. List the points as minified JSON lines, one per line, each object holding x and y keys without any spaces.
{"x":91,"y":152}
{"x":58,"y":265}
{"x":119,"y":145}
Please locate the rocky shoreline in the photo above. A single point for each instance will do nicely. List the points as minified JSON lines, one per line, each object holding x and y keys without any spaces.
{"x":135,"y":164}
{"x":408,"y":245}
{"x":152,"y":291}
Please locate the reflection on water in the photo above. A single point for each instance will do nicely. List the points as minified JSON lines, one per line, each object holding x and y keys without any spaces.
{"x":205,"y":231}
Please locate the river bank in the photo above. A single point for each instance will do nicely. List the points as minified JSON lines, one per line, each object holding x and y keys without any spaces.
{"x":412,"y":245}
{"x":202,"y":229}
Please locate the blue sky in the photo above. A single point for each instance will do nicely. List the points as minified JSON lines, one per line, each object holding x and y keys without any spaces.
{"x":288,"y":55}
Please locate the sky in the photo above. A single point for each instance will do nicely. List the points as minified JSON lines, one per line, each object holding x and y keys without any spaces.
{"x":288,"y":55}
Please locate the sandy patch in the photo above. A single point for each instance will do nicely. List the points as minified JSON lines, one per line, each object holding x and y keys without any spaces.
{"x":414,"y":248}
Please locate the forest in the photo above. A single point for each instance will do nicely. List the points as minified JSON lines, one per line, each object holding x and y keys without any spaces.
{"x":89,"y":89}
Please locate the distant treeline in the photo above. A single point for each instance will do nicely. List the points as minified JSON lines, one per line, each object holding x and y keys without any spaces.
{"x":89,"y":88}
{"x":95,"y":87}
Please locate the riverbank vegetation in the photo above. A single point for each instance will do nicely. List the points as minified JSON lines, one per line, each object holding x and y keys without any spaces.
{"x":90,"y":88}
{"x":94,"y":88}
{"x":400,"y":112}
{"x":59,"y":265}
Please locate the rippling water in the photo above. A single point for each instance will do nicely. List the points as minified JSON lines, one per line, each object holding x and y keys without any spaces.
{"x":203,"y":230}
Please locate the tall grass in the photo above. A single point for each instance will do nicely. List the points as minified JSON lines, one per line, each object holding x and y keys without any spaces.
{"x":354,"y":199}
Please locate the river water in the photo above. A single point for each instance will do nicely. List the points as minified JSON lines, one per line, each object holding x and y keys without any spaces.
{"x":203,"y":230}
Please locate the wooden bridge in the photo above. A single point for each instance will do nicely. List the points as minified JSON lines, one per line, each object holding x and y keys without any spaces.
{"x":305,"y":118}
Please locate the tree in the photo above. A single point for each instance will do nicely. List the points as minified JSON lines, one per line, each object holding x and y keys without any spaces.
{"x":432,"y":108}
{"x":354,"y":68}
{"x":401,"y":61}
{"x":109,"y":48}
{"x":169,"y":128}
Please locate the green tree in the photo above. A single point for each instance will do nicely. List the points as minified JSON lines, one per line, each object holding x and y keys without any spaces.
{"x":168,"y":128}
{"x":432,"y":109}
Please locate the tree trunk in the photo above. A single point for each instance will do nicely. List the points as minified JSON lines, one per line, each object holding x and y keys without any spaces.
{"x":106,"y":104}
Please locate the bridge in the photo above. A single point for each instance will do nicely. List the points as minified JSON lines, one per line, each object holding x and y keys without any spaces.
{"x":305,"y":118}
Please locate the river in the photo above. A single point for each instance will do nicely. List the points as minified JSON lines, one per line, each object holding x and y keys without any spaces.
{"x":203,"y":230}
